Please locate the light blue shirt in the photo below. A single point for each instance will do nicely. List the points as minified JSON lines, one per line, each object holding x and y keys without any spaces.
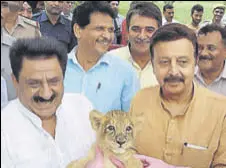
{"x":109,"y":85}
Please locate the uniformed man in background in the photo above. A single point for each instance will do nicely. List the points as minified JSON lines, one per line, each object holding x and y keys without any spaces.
{"x":16,"y":25}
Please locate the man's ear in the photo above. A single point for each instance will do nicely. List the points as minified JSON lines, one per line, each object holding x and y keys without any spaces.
{"x":95,"y":118}
{"x":77,"y":30}
{"x":14,"y":80}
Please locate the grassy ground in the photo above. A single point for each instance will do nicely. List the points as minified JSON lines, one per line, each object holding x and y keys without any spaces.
{"x":182,"y":9}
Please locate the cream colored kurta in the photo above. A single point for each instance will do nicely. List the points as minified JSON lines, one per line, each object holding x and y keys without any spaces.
{"x":193,"y":138}
{"x":146,"y":76}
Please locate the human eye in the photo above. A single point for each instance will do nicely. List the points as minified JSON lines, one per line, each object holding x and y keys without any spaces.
{"x":212,"y":47}
{"x":182,"y":62}
{"x":164,"y":62}
{"x":99,"y":28}
{"x":54,"y":81}
{"x":136,"y":28}
{"x":150,"y":29}
{"x":111,"y":30}
{"x":33,"y":83}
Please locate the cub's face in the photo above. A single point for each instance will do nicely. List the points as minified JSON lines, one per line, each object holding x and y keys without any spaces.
{"x":115,"y":130}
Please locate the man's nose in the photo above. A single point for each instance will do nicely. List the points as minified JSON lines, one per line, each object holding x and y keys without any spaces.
{"x":45,"y":92}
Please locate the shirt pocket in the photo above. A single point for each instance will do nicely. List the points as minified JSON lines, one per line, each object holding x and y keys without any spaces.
{"x":197,"y":158}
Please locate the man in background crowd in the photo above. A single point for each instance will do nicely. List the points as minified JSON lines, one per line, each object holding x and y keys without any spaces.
{"x":218,"y":13}
{"x":142,"y":21}
{"x":211,"y":70}
{"x":117,"y":22}
{"x":196,"y":15}
{"x":106,"y":80}
{"x":26,"y":10}
{"x":168,"y":13}
{"x":67,"y":9}
{"x":16,"y":25}
{"x":53,"y":24}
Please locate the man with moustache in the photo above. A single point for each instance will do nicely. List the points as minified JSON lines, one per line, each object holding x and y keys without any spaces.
{"x":196,"y":15}
{"x":106,"y":80}
{"x":211,"y":70}
{"x":53,"y":24}
{"x":44,"y":127}
{"x":16,"y":25}
{"x":184,"y":123}
{"x":143,"y":19}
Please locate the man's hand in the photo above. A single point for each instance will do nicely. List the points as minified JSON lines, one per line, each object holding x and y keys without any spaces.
{"x":98,"y":161}
{"x":150,"y":162}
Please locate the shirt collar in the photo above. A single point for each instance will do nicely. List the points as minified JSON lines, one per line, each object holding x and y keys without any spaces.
{"x":7,"y":39}
{"x":222,"y":75}
{"x":20,"y":21}
{"x":194,"y":97}
{"x":44,"y":18}
{"x":31,"y":116}
{"x":105,"y":59}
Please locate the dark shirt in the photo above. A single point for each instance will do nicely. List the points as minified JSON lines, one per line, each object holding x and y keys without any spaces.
{"x":61,"y":30}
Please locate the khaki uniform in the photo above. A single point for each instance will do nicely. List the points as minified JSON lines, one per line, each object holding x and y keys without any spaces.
{"x":194,"y":138}
{"x":25,"y":28}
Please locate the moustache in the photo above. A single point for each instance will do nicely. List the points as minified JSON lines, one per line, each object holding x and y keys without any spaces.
{"x":104,"y":41}
{"x":174,"y":79}
{"x":201,"y":57}
{"x":38,"y":99}
{"x":140,"y":41}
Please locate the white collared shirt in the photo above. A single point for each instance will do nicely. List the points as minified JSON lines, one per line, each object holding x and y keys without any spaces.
{"x":218,"y":85}
{"x":25,"y":144}
{"x":146,"y":76}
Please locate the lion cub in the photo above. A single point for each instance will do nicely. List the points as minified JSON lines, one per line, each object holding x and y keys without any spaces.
{"x":115,"y":136}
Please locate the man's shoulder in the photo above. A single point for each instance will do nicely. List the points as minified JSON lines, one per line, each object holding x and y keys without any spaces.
{"x":120,"y":64}
{"x":212,"y":97}
{"x":36,"y":16}
{"x":76,"y":101}
{"x":147,"y":93}
{"x":10,"y":114}
{"x":121,"y":52}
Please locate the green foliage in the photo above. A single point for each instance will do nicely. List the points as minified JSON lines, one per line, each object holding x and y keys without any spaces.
{"x":182,"y":9}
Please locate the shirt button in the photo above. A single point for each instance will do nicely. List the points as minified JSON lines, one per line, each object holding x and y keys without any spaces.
{"x":168,"y":153}
{"x":169,"y":139}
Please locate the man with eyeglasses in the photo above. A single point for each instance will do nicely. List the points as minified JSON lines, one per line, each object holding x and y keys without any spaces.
{"x":218,"y":13}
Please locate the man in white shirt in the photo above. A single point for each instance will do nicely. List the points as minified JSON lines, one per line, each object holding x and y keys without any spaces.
{"x":44,"y":127}
{"x":142,"y":21}
{"x":168,"y":12}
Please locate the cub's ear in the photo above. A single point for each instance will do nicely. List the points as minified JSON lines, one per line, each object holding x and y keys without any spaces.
{"x":137,"y":121}
{"x":95,"y":118}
